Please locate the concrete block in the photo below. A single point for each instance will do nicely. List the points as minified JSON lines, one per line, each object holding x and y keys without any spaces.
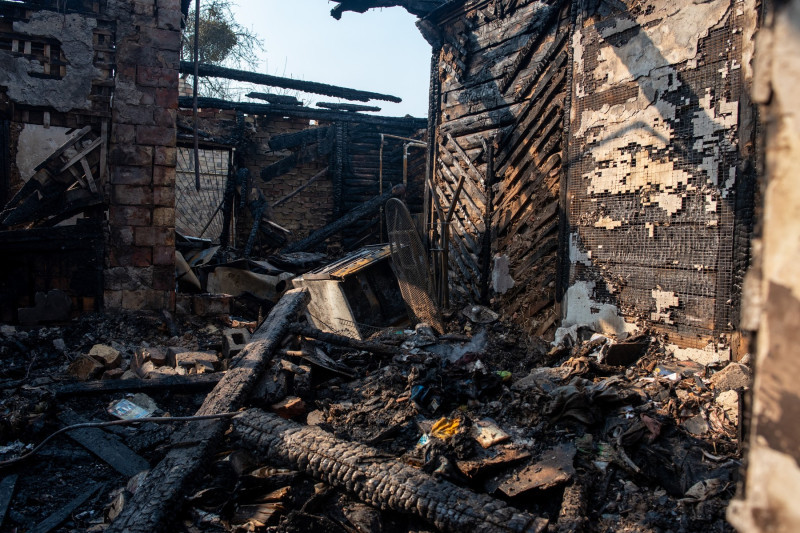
{"x":233,"y":341}
{"x":85,"y":368}
{"x":208,"y":305}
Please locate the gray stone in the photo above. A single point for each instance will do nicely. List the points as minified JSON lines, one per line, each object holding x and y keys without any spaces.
{"x":735,"y":376}
{"x":106,"y":355}
{"x":696,"y":425}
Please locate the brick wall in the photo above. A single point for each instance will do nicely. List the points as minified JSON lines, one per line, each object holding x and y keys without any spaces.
{"x":140,"y":257}
{"x":311,"y":209}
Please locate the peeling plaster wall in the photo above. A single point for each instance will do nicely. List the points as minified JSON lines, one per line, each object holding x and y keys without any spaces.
{"x":768,"y":501}
{"x":35,"y":144}
{"x":654,"y":152}
{"x":74,"y":32}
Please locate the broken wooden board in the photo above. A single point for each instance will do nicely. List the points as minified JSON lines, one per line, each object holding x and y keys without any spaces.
{"x":191,"y":383}
{"x":112,"y":451}
{"x":6,"y":493}
{"x":474,"y":469}
{"x":553,"y":468}
{"x":53,"y":521}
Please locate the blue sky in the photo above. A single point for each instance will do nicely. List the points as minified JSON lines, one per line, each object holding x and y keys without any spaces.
{"x":380,"y":50}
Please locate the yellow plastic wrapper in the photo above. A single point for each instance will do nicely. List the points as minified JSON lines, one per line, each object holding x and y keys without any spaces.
{"x":445,"y":427}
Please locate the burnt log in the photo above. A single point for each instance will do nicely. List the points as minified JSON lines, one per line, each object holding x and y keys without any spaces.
{"x":348,"y":342}
{"x":364,"y":210}
{"x":154,"y":503}
{"x":275,"y":98}
{"x":192,"y":383}
{"x":303,"y":112}
{"x":385,"y":484}
{"x":214,"y":71}
{"x":348,"y":107}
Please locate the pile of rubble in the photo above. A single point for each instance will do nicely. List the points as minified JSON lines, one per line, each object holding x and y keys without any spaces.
{"x":480,"y":428}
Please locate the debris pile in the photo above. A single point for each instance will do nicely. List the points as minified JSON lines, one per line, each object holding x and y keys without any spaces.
{"x":407,"y":431}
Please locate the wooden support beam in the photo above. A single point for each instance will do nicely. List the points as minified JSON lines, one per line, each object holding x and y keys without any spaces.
{"x":348,"y":107}
{"x":281,"y":99}
{"x":348,"y":342}
{"x":366,"y":209}
{"x":214,"y":71}
{"x":154,"y":504}
{"x":303,"y":112}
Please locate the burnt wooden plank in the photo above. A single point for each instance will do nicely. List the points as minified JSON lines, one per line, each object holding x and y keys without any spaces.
{"x":109,"y":449}
{"x":6,"y":493}
{"x":192,"y":383}
{"x":55,"y":519}
{"x":307,"y":136}
{"x":214,"y":71}
{"x":302,"y":112}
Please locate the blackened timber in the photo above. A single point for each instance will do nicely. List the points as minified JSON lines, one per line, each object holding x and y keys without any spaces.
{"x":213,"y":71}
{"x":415,"y":7}
{"x":384,"y":484}
{"x":304,"y":155}
{"x":341,"y":340}
{"x":291,"y":140}
{"x":527,"y":51}
{"x":155,"y":501}
{"x":281,"y":99}
{"x":112,"y":451}
{"x":189,"y":383}
{"x":364,"y":210}
{"x":348,"y":107}
{"x":304,"y":112}
{"x":297,"y":191}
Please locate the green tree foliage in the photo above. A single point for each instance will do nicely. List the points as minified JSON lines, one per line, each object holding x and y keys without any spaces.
{"x":222,"y":41}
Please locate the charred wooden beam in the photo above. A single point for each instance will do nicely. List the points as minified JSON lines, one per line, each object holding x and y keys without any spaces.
{"x":347,"y":107}
{"x":304,"y":155}
{"x":281,"y":99}
{"x":192,"y":383}
{"x":419,"y":8}
{"x":364,"y":210}
{"x":214,"y":71}
{"x":154,"y":503}
{"x":307,"y":136}
{"x":341,"y":340}
{"x":389,"y":484}
{"x":303,"y":112}
{"x":317,"y":176}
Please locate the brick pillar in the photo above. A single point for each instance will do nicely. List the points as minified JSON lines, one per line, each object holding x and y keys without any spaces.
{"x":140,"y":262}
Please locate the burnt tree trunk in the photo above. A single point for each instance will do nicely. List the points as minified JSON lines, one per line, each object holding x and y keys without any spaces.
{"x":386,"y":484}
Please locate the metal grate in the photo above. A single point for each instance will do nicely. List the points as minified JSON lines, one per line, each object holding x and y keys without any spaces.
{"x":652,"y":198}
{"x":198,"y":213}
{"x":410,"y":264}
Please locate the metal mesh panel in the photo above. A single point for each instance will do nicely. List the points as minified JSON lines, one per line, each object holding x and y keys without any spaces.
{"x":652,"y":219}
{"x":197,"y":213}
{"x":410,"y":264}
